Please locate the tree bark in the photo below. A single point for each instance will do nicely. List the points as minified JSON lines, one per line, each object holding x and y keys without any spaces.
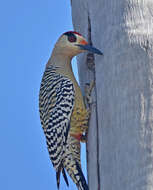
{"x":120,"y":137}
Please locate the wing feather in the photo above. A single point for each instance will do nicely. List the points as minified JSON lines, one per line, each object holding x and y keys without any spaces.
{"x":56,"y":101}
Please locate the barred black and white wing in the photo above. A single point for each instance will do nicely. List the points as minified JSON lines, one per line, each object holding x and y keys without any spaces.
{"x":56,"y":101}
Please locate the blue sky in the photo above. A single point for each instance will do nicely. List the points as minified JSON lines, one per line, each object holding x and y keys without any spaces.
{"x":28,"y":32}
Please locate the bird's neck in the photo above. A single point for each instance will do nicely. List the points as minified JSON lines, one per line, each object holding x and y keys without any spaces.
{"x":62,"y":62}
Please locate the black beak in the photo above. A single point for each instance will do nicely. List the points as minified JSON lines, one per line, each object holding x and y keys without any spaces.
{"x":90,"y":48}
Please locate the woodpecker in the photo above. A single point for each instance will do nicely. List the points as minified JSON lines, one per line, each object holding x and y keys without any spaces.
{"x":63,"y":114}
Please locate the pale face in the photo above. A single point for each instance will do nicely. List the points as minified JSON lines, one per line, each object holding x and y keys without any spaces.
{"x":72,"y":43}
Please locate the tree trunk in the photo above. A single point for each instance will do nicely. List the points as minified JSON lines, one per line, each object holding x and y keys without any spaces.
{"x":120,"y":138}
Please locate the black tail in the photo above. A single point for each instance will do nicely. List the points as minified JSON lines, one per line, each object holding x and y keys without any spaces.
{"x":58,"y":177}
{"x":77,"y":176}
{"x":58,"y":173}
{"x":82,"y":185}
{"x":65,"y":177}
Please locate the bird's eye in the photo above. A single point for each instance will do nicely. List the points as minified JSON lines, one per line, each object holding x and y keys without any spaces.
{"x":72,"y":38}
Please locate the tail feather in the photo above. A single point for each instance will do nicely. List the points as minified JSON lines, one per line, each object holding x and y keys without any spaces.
{"x":58,"y":177}
{"x":77,"y":176}
{"x":82,"y":184}
{"x":58,"y":173}
{"x":65,"y":177}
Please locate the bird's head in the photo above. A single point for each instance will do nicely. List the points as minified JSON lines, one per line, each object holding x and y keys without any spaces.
{"x":72,"y":43}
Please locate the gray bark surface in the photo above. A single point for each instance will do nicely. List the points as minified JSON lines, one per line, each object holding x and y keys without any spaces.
{"x":120,"y":138}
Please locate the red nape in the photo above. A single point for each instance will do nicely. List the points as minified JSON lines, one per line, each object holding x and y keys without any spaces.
{"x":73,"y":33}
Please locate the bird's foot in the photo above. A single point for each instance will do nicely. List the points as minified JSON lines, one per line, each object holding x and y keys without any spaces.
{"x":83,"y":138}
{"x":88,"y":98}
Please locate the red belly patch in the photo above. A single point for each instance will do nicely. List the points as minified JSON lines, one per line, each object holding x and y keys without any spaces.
{"x":77,"y":136}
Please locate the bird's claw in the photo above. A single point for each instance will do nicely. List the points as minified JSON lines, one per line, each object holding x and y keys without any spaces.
{"x":84,"y":138}
{"x":88,"y":98}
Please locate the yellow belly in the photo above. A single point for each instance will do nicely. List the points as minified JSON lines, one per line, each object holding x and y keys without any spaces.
{"x":79,"y":119}
{"x":80,"y":116}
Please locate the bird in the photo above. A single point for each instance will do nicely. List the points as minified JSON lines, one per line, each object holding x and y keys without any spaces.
{"x":63,"y":114}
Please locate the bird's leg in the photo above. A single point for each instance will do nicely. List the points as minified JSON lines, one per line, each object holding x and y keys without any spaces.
{"x":83,"y":138}
{"x":88,"y":98}
{"x":88,"y":103}
{"x":84,"y":135}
